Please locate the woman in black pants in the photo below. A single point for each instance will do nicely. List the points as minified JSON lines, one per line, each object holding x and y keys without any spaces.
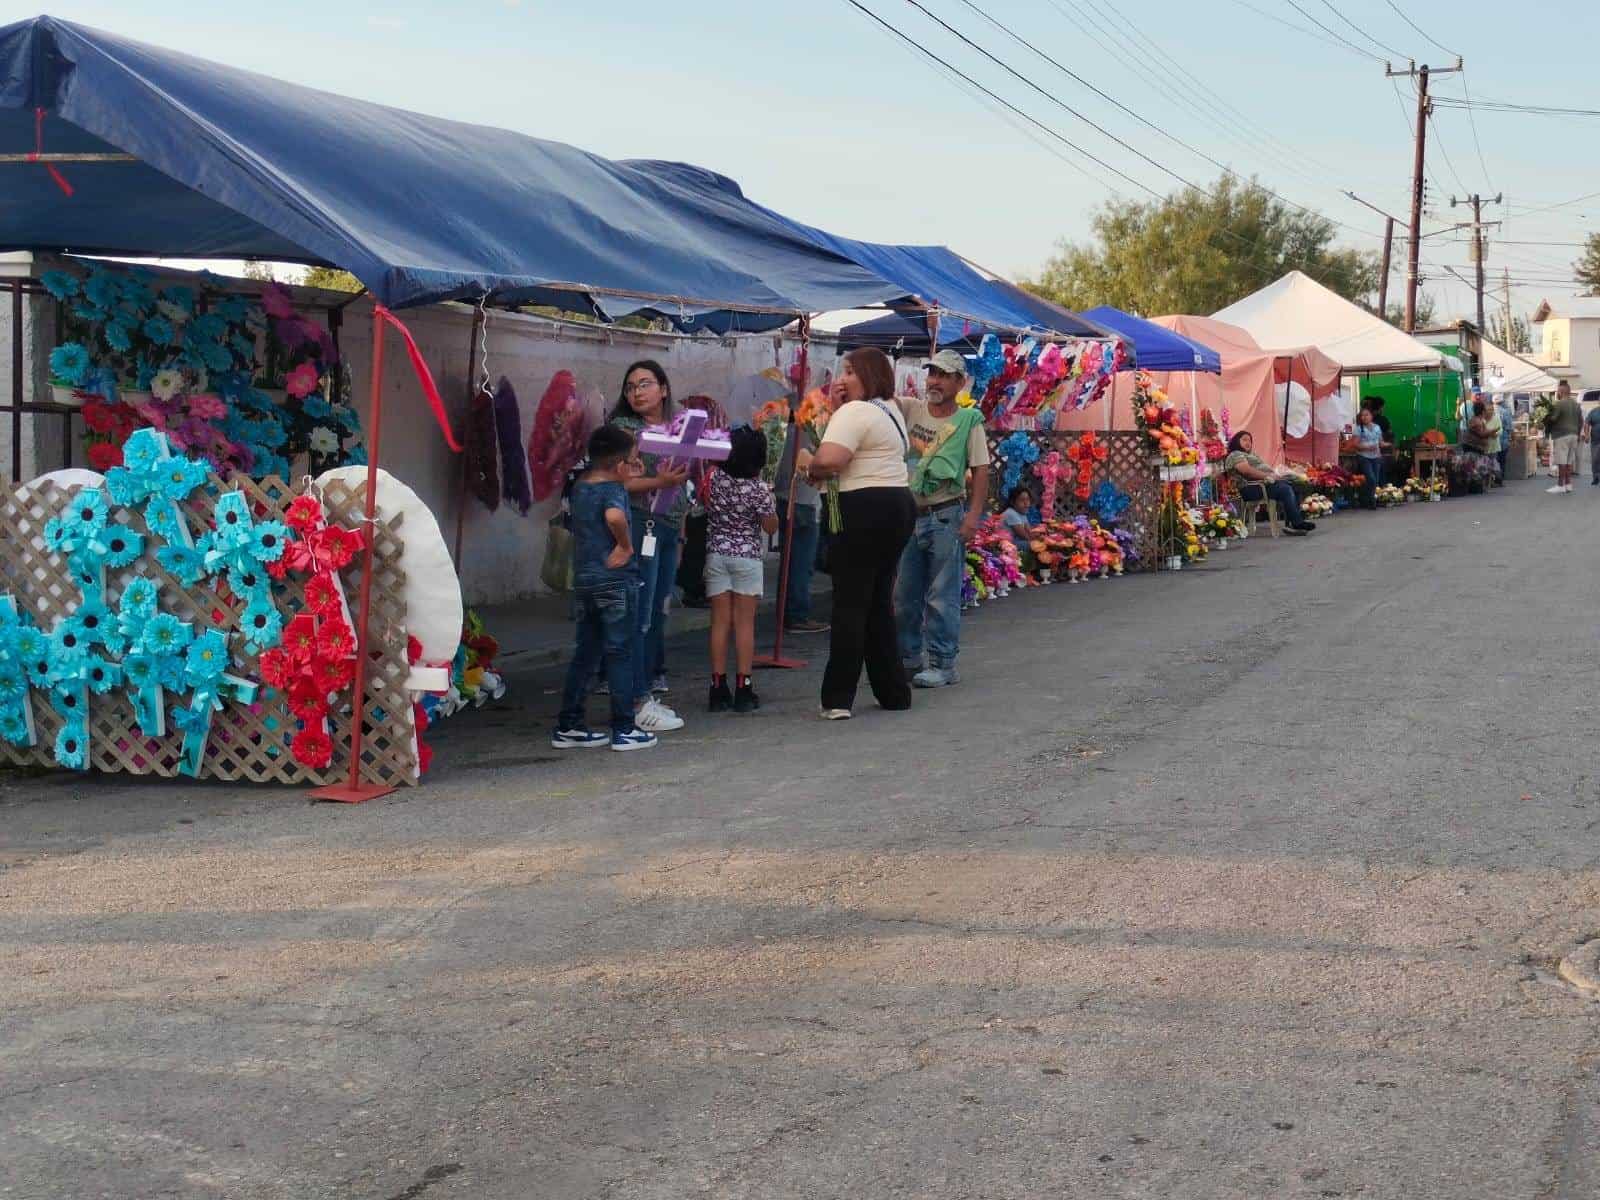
{"x":865,"y":448}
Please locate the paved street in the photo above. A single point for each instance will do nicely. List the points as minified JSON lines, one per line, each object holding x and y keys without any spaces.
{"x":1250,"y":882}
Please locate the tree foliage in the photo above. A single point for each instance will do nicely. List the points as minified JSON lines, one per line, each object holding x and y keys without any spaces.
{"x":1427,"y":311}
{"x":1587,"y":269}
{"x":1196,"y":252}
{"x":1516,"y":339}
{"x":331,"y":279}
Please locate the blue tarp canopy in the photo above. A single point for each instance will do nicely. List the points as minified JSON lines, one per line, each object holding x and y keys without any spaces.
{"x":232,"y":164}
{"x":910,"y":330}
{"x":1158,"y":349}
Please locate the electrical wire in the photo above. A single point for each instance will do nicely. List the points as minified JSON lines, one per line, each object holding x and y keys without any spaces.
{"x":1472,"y":120}
{"x":1332,"y":32}
{"x":1421,"y":30}
{"x":1341,"y":44}
{"x":1386,"y":49}
{"x":1438,"y":140}
{"x":1506,"y":106}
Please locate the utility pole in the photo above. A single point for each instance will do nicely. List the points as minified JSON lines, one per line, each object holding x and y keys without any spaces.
{"x":1418,"y":165}
{"x":1477,"y":203}
{"x":1388,"y":246}
{"x":1510,"y":333}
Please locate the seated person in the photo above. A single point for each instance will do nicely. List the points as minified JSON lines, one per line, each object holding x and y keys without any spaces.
{"x":1257,"y":482}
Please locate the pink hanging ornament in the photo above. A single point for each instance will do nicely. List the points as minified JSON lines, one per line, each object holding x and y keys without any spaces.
{"x":1051,"y":470}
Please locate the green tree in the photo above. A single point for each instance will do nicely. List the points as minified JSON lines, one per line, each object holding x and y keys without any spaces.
{"x":331,"y":279}
{"x":1587,"y":268}
{"x":1427,"y":310}
{"x":1196,"y":252}
{"x":1516,"y":339}
{"x":257,"y":270}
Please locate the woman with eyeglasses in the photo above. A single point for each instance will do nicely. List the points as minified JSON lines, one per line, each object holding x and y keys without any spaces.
{"x":646,"y":399}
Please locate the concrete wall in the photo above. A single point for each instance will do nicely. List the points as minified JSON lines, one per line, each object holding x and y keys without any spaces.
{"x":502,"y":550}
{"x":43,"y":437}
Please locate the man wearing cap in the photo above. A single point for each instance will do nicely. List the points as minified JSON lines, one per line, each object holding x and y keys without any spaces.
{"x":946,"y":443}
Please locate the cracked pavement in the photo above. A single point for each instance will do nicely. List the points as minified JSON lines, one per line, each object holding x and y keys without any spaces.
{"x":1247,"y":882}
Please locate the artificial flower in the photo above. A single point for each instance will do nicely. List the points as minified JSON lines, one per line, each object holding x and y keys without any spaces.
{"x":69,"y":362}
{"x":268,"y":541}
{"x":306,"y":700}
{"x":175,"y":313}
{"x":167,"y":383}
{"x":139,"y":595}
{"x":303,"y":514}
{"x":60,"y":284}
{"x":180,"y":476}
{"x":68,"y":648}
{"x":102,"y":675}
{"x":324,"y":441}
{"x":86,"y":514}
{"x":184,"y":563}
{"x":71,"y":748}
{"x":261,"y":624}
{"x":118,"y":337}
{"x":302,"y":380}
{"x":97,"y":417}
{"x":207,"y":407}
{"x":322,"y":597}
{"x":123,"y":545}
{"x":102,"y":288}
{"x":232,"y":519}
{"x":313,"y":747}
{"x":333,"y":674}
{"x":334,"y":640}
{"x":164,"y":521}
{"x":165,"y":634}
{"x":276,"y":302}
{"x":207,"y":656}
{"x":92,"y":620}
{"x":103,"y":456}
{"x":300,"y":638}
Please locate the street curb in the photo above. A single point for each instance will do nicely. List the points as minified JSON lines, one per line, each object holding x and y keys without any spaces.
{"x":1580,"y":966}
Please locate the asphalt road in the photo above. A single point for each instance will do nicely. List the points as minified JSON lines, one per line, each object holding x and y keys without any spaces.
{"x":1247,"y":882}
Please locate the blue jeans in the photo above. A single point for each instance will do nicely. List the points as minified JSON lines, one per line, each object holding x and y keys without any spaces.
{"x":802,"y":560}
{"x":1276,"y":490}
{"x":927,"y":596}
{"x":1372,"y":470}
{"x":608,"y":625}
{"x":656,"y":575}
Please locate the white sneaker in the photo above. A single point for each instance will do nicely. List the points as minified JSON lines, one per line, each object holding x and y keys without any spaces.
{"x":1555,"y":491}
{"x":1567,"y":489}
{"x":656,"y":718}
{"x":835,"y":714}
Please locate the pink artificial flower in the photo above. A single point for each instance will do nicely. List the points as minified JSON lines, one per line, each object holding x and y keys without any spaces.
{"x":294,"y":332}
{"x":193,"y":433}
{"x":207,"y":407}
{"x":156,"y":413}
{"x":275,"y":300}
{"x":301,"y":381}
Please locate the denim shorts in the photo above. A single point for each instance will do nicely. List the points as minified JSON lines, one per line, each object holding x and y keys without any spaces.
{"x":725,"y":573}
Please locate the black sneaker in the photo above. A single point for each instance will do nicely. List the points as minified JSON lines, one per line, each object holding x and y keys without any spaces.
{"x":745,"y":699}
{"x":721,"y":698}
{"x":1306,"y":526}
{"x":805,"y":627}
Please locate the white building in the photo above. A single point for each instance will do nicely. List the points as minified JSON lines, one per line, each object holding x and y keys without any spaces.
{"x":1567,"y":335}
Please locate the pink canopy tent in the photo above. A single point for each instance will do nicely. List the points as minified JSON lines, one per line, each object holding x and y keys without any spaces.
{"x":1246,"y":387}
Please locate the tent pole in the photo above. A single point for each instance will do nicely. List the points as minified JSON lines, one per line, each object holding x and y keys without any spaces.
{"x":354,"y":791}
{"x":776,"y":658}
{"x":16,"y":382}
{"x":466,"y":459}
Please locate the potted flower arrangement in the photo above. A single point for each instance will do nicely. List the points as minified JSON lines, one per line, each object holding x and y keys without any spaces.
{"x":1316,"y":505}
{"x":1388,"y":495}
{"x":69,"y":371}
{"x":1164,"y":435}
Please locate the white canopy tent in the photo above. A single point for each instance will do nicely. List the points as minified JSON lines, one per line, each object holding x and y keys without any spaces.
{"x":1505,"y":372}
{"x":1298,"y":311}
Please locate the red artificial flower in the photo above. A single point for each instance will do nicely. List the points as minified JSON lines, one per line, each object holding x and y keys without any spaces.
{"x":333,"y":674}
{"x":334,"y":640}
{"x":420,"y":716}
{"x":97,"y":417}
{"x":335,"y":546}
{"x":312,"y":747}
{"x":413,"y":649}
{"x":300,"y":638}
{"x":424,"y":756}
{"x":303,"y":514}
{"x":306,"y":700}
{"x":322,"y":597}
{"x":276,"y":668}
{"x":103,"y":456}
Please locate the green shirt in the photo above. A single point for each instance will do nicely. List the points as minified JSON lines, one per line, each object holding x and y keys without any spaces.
{"x":1566,"y":419}
{"x":1231,"y":463}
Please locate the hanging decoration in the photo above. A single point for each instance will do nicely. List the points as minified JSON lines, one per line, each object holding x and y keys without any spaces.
{"x":483,"y":456}
{"x":1017,"y":450}
{"x":20,"y":645}
{"x":1109,"y":502}
{"x":513,"y":462}
{"x":315,"y":658}
{"x":560,"y":428}
{"x":984,"y":367}
{"x":1052,"y":471}
{"x":1087,"y":451}
{"x":1046,"y":374}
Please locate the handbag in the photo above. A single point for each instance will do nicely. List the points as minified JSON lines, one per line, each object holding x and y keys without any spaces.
{"x":556,"y":570}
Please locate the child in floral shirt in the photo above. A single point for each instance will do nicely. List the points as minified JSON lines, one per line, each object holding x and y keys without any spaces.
{"x":740,"y":511}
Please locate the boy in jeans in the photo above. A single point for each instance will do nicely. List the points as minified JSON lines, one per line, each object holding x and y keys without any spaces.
{"x":605,"y":593}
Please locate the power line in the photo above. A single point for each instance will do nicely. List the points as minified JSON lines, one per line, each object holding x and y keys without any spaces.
{"x":1386,"y":49}
{"x":1472,"y":121}
{"x":1438,"y":140}
{"x":1421,"y":30}
{"x":1023,"y":42}
{"x":1506,"y":106}
{"x":1301,"y":29}
{"x":1331,"y":32}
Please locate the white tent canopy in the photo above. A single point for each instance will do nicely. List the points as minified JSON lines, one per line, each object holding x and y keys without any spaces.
{"x":1299,"y":311}
{"x":1504,"y":371}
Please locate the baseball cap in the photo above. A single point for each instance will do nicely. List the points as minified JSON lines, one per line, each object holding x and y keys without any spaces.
{"x":948,"y":361}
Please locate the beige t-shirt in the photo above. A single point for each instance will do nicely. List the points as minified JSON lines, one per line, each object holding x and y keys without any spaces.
{"x":924,"y":428}
{"x":875,"y":438}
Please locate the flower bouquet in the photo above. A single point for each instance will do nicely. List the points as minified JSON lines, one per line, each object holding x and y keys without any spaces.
{"x":1163,"y":432}
{"x":772,"y":419}
{"x":1389,"y":495}
{"x":812,"y":417}
{"x":1316,"y":505}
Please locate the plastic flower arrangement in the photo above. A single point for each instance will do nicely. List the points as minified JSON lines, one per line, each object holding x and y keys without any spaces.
{"x":1017,"y":450}
{"x":1109,"y":502}
{"x":1316,"y":505}
{"x":812,"y":418}
{"x":1158,"y":422}
{"x":1388,"y":494}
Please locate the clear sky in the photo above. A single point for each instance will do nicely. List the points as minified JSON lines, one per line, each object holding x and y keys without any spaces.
{"x":824,"y":115}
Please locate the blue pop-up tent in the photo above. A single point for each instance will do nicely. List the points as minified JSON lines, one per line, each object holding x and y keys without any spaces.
{"x":1158,"y":349}
{"x":202,"y":160}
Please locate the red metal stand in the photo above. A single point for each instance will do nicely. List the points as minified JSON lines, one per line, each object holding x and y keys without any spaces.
{"x":776,"y":659}
{"x":355,"y":790}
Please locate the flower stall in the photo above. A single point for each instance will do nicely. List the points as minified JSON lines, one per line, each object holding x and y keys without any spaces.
{"x":172,"y":621}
